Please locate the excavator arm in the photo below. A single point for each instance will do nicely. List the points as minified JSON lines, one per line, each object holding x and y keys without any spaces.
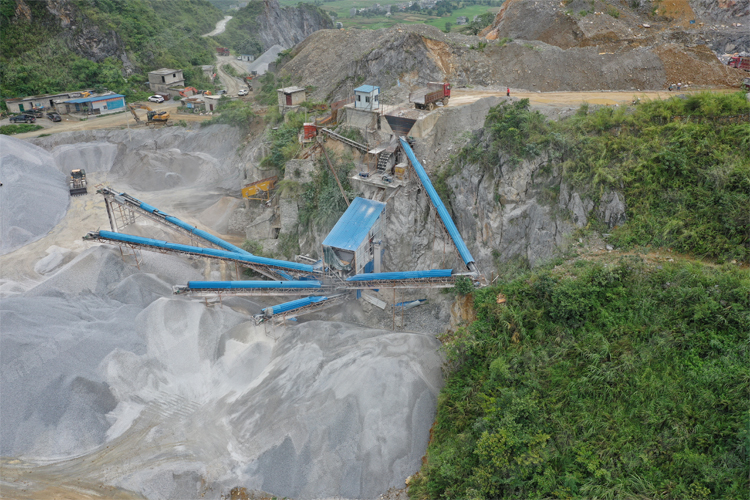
{"x":151,"y":115}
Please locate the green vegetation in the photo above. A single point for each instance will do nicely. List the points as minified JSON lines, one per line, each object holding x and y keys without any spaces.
{"x":323,"y":203}
{"x":598,"y":380}
{"x":284,"y":142}
{"x":682,"y":164}
{"x":239,"y":32}
{"x":236,"y":113}
{"x":36,"y":58}
{"x":444,"y":11}
{"x":18,"y":129}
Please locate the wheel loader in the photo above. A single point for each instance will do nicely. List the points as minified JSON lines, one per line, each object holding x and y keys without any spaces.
{"x":77,"y":182}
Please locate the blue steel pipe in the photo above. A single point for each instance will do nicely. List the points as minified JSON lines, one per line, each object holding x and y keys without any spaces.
{"x":250,"y":259}
{"x":198,"y":232}
{"x":463,"y":251}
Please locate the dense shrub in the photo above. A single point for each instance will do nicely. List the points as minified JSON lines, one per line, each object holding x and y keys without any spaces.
{"x":598,"y":381}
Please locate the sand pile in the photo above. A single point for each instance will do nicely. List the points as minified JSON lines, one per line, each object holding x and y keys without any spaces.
{"x":34,"y":196}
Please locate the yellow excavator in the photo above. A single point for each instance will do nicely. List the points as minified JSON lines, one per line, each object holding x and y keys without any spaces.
{"x":153,"y":117}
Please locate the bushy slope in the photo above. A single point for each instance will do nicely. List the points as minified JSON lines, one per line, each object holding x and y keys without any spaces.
{"x":683,"y":165}
{"x":614,"y":377}
{"x":619,"y":380}
{"x":68,"y":45}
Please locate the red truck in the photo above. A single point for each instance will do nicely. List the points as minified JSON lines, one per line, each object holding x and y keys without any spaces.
{"x":222,"y":51}
{"x":739,"y":62}
{"x":428,"y":98}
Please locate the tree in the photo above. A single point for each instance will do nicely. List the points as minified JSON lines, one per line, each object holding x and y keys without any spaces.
{"x":448,"y":26}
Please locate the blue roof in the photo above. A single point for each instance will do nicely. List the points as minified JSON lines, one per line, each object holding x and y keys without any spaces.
{"x":352,"y":228}
{"x":463,"y":251}
{"x":93,"y":99}
{"x":366,"y":89}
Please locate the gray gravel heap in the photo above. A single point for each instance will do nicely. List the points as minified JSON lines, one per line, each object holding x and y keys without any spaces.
{"x":34,"y":196}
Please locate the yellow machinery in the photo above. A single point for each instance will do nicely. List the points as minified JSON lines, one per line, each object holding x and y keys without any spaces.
{"x":153,"y":117}
{"x":259,"y":190}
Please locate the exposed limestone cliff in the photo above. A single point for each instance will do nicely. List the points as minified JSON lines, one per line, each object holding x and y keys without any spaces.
{"x":288,"y":26}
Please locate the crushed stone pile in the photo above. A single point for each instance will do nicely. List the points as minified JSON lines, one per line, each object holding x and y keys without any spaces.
{"x":101,"y":364}
{"x":34,"y":196}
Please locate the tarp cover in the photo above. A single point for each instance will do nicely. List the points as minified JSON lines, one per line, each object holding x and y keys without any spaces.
{"x":232,"y":285}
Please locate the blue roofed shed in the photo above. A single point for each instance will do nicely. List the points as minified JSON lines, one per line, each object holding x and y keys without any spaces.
{"x":351,"y":243}
{"x":94,"y":105}
{"x":367,"y":97}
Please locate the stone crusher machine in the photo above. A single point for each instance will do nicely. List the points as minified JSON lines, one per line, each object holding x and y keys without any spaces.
{"x":77,"y":182}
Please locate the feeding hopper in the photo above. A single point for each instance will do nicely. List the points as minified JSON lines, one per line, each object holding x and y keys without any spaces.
{"x":401,"y":126}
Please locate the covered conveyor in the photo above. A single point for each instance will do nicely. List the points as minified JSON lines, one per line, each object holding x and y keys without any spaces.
{"x":281,"y":312}
{"x":134,"y":206}
{"x":445,"y":217}
{"x":260,"y":264}
{"x":252,"y":288}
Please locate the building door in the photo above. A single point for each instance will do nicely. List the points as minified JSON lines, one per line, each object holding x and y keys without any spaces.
{"x":289,"y":99}
{"x":211,"y":106}
{"x":20,"y":106}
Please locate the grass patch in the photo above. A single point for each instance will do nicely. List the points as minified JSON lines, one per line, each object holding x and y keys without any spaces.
{"x":18,"y":128}
{"x":683,"y":167}
{"x":598,"y":381}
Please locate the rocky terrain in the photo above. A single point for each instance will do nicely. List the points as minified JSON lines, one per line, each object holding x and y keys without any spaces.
{"x":288,"y":26}
{"x":554,"y":46}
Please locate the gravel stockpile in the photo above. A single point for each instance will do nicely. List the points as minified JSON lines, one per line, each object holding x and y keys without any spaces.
{"x":34,"y":196}
{"x":54,"y":398}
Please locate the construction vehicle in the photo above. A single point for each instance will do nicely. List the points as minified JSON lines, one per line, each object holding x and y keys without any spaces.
{"x":184,"y":91}
{"x":427,"y":98}
{"x":222,"y":51}
{"x":739,"y":62}
{"x":153,"y":117}
{"x":77,"y":182}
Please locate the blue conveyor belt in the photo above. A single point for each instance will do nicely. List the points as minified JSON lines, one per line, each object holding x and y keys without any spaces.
{"x":463,"y":251}
{"x":406,"y":275}
{"x":295,"y":304}
{"x":187,"y":227}
{"x":233,"y":285}
{"x":250,"y":259}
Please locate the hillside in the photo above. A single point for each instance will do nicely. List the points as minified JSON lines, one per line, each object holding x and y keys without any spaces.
{"x":55,"y":46}
{"x":607,"y":374}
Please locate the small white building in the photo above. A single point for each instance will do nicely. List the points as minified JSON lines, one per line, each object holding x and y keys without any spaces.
{"x":367,"y":97}
{"x":161,"y":79}
{"x":44,"y":102}
{"x":290,"y":98}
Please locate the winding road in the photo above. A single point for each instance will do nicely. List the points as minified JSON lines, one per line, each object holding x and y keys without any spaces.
{"x":220,"y":27}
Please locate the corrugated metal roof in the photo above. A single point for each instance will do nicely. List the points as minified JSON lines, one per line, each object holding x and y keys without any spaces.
{"x":366,"y":88}
{"x":352,"y":228}
{"x":94,"y":99}
{"x":463,"y":251}
{"x":406,"y":275}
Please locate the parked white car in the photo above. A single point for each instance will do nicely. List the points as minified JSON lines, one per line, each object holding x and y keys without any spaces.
{"x":242,"y":92}
{"x":156,"y":98}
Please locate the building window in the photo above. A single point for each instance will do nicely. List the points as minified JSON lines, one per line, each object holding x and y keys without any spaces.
{"x":359,"y":97}
{"x":367,"y":99}
{"x":376,"y":98}
{"x":163,"y":80}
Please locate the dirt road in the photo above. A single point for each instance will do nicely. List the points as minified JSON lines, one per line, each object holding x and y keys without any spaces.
{"x":459,"y":97}
{"x":231,"y":83}
{"x":220,"y":27}
{"x":118,"y":120}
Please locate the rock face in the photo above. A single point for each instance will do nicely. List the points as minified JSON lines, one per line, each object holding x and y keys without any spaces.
{"x":725,"y":11}
{"x":288,"y":26}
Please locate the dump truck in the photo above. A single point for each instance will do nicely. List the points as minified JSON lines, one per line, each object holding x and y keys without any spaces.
{"x":739,"y":62}
{"x":222,"y":51}
{"x":427,"y":98}
{"x":77,"y":182}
